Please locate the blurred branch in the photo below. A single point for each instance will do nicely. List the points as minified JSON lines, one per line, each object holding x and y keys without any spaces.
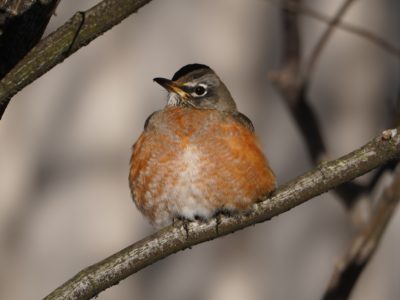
{"x":96,"y":278}
{"x":293,"y":85}
{"x":364,"y":245}
{"x":353,"y":29}
{"x":22,"y":23}
{"x":80,"y":30}
{"x":323,"y":40}
{"x":288,"y":80}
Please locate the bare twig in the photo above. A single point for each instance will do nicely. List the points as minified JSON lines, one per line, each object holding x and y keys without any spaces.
{"x":364,"y":244}
{"x":94,"y":279}
{"x":57,"y":46}
{"x":315,"y":54}
{"x":353,"y":29}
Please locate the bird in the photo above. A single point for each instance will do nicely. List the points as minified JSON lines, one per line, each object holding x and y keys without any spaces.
{"x":199,"y":155}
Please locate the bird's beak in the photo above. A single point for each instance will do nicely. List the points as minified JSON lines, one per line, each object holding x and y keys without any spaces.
{"x":172,"y":86}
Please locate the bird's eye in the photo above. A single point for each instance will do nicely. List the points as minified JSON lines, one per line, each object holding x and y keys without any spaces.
{"x":200,"y":90}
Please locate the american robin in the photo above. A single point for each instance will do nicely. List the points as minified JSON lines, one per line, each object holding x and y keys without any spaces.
{"x":199,"y":155}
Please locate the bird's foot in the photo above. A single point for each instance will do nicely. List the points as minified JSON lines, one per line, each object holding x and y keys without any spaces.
{"x":219,"y":215}
{"x":179,"y":221}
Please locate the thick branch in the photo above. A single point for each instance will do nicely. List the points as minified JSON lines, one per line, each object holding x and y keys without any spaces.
{"x":80,"y":30}
{"x":94,"y":279}
{"x":22,"y":23}
{"x":364,"y":245}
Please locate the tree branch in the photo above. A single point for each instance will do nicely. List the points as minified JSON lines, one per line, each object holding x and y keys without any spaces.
{"x":80,"y":30}
{"x":293,"y":84}
{"x":353,"y":29}
{"x":315,"y":54}
{"x":364,"y":245}
{"x":96,"y":278}
{"x":22,"y":23}
{"x":288,"y":82}
{"x":294,"y":87}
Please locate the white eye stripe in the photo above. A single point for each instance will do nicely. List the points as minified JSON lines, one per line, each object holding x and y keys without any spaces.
{"x":193,"y":84}
{"x":190,"y":84}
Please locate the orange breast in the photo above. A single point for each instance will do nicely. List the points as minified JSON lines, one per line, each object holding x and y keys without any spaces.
{"x":191,"y":162}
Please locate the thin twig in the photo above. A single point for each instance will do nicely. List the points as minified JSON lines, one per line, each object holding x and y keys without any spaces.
{"x":364,"y":244}
{"x":316,"y":53}
{"x":353,"y":29}
{"x":94,"y":279}
{"x":57,"y":46}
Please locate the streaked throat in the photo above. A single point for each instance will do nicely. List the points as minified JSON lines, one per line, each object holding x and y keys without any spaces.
{"x":173,"y":99}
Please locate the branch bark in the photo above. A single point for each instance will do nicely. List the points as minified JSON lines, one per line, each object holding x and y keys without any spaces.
{"x":22,"y":23}
{"x":96,"y":278}
{"x":364,"y":244}
{"x":80,"y":30}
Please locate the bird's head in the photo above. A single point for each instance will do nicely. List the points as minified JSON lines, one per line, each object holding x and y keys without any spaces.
{"x":197,"y":86}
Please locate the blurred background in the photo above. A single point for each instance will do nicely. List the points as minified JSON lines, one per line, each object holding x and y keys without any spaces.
{"x":65,"y":148}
